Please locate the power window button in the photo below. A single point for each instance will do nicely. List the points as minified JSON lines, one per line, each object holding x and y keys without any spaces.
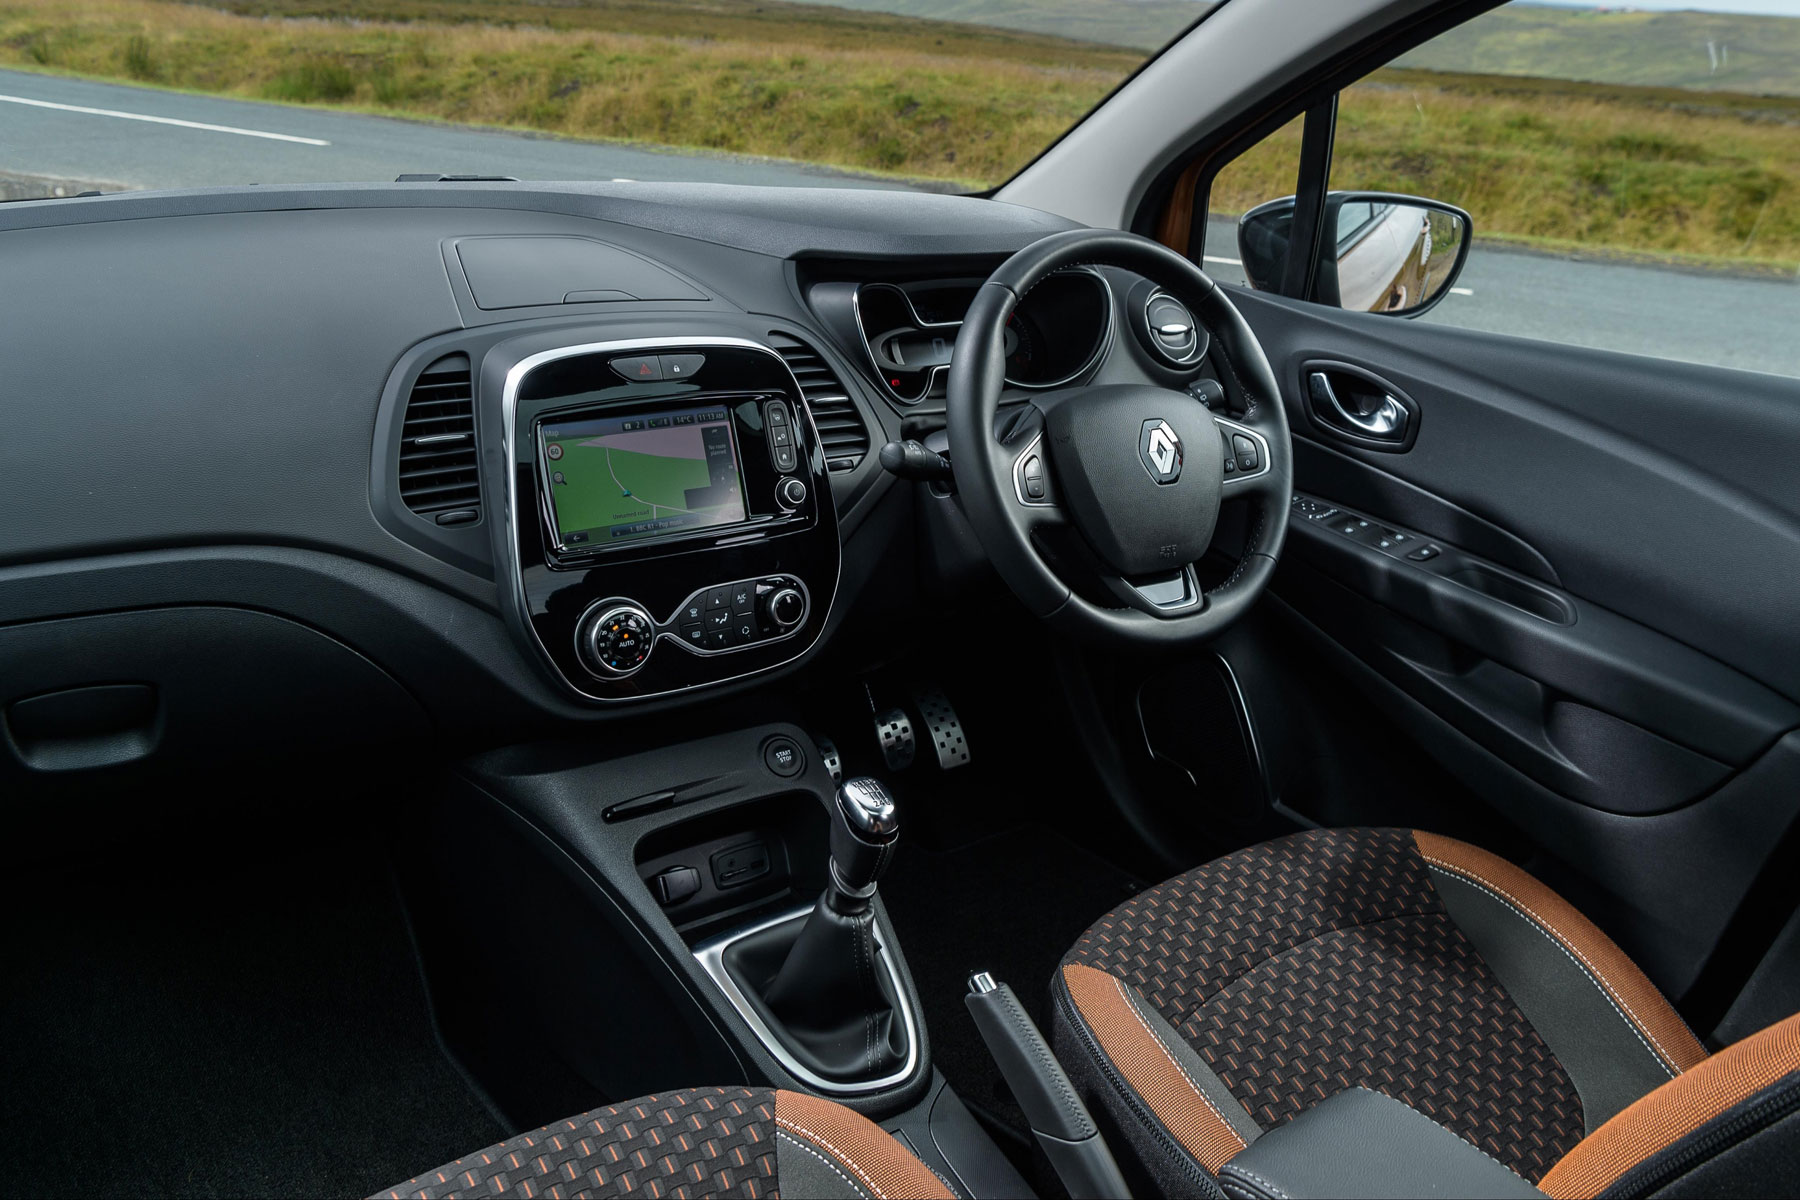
{"x":1424,"y":553}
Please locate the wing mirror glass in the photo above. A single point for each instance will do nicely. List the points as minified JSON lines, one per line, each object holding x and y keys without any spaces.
{"x":1381,"y":252}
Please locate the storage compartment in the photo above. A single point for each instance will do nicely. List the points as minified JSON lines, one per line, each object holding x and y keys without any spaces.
{"x":729,"y":867}
{"x":186,"y":686}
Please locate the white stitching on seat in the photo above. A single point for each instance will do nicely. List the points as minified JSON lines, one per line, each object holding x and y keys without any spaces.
{"x":831,"y":1166}
{"x":838,"y":1154}
{"x":1204,"y":1098}
{"x":1258,"y":1180}
{"x":1574,"y":955}
{"x":1415,"y":1112}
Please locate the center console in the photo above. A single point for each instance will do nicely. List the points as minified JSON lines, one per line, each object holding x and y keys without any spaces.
{"x":669,"y":517}
{"x":603,"y":925}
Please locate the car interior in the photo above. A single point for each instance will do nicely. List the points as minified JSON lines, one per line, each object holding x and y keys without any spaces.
{"x":705,"y":689}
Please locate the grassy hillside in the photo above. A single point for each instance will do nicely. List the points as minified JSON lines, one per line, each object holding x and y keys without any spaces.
{"x":1750,"y":54}
{"x":857,"y":90}
{"x":1563,"y":164}
{"x":1142,"y":24}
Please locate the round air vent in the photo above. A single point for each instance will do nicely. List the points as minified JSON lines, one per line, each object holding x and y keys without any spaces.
{"x":1166,"y":328}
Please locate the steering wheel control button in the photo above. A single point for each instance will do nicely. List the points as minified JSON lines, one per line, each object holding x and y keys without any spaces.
{"x":617,"y":641}
{"x":674,"y":885}
{"x":790,"y":493}
{"x":681,"y":366}
{"x":639,"y":369}
{"x":783,"y":757}
{"x":1245,"y":450}
{"x":1033,"y":472}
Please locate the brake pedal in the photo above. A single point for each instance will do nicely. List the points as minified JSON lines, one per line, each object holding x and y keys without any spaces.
{"x":894,"y":729}
{"x":944,"y":726}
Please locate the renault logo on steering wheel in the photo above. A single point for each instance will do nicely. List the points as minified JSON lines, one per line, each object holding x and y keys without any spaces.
{"x":1159,"y":448}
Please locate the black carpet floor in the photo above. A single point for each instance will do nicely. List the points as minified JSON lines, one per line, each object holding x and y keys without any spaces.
{"x":179,"y":1023}
{"x":1011,"y":904}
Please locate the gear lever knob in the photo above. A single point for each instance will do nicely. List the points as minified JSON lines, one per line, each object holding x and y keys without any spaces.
{"x":864,"y":828}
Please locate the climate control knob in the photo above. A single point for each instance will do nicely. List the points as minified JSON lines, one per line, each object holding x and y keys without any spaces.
{"x":791,"y":493}
{"x":783,"y":608}
{"x":615,"y":639}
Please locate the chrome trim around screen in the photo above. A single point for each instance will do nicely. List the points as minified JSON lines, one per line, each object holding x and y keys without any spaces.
{"x":513,"y":568}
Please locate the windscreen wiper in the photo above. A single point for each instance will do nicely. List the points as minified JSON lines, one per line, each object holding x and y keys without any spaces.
{"x":435,"y":178}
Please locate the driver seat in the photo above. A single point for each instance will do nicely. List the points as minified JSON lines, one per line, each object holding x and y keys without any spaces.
{"x":1374,"y":1012}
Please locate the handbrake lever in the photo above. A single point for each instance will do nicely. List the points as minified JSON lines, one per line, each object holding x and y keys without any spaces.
{"x":1059,"y":1120}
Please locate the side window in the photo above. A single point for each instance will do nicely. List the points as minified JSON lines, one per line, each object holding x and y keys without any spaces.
{"x":1632,"y":175}
{"x":1269,"y":168}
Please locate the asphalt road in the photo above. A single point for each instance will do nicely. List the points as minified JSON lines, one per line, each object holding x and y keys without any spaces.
{"x":121,"y":136}
{"x":1722,"y":320}
{"x":246,"y":141}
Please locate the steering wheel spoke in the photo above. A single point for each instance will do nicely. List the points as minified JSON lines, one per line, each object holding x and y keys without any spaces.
{"x":1166,"y":597}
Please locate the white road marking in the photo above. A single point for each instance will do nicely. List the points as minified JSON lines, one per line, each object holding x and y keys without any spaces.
{"x":619,"y":180}
{"x":125,"y":116}
{"x":1462,"y":291}
{"x":1214,"y":258}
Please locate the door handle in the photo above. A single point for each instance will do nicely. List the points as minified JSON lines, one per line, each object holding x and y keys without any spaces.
{"x":1387,"y":423}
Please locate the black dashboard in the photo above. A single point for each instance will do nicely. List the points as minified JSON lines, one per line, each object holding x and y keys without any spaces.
{"x":516,"y":451}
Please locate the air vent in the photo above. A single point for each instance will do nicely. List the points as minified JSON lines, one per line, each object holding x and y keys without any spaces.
{"x":841,"y":429}
{"x":437,"y":443}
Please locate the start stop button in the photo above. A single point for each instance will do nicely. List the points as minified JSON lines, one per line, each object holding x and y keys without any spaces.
{"x":782,"y":755}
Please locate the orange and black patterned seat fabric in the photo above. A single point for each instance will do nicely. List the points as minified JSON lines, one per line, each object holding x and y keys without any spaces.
{"x":1230,"y":1000}
{"x":750,"y":1142}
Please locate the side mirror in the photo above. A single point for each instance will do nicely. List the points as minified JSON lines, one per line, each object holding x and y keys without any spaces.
{"x":1381,"y":252}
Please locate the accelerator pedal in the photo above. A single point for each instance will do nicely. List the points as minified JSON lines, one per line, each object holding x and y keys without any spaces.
{"x":944,"y":726}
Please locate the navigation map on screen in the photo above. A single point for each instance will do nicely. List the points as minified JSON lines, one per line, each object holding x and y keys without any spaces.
{"x":617,"y":478}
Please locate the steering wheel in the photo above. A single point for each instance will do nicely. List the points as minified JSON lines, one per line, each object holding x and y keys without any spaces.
{"x":1137,"y":470}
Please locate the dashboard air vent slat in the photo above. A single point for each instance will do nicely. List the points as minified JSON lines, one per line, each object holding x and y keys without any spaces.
{"x":841,"y":430}
{"x":438,"y":459}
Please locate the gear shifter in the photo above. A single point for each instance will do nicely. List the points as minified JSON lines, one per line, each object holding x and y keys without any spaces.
{"x":864,"y":830}
{"x":831,"y":1001}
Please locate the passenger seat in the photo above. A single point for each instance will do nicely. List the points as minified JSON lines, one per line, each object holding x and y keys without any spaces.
{"x":736,"y":1141}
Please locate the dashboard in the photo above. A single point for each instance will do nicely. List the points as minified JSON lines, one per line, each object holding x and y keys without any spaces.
{"x":499,"y":452}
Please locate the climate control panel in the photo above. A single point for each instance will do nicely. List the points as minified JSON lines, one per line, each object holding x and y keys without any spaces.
{"x":615,"y":637}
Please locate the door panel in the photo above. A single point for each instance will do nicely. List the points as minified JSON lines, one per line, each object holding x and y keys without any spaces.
{"x":1605,"y":639}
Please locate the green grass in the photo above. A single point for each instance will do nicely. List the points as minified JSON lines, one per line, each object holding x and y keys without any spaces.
{"x":1710,"y":177}
{"x":1749,"y":54}
{"x":856,"y":90}
{"x":1642,"y":171}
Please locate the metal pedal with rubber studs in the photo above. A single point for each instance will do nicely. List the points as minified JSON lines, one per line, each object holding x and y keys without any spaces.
{"x":948,"y":739}
{"x":894,"y":730}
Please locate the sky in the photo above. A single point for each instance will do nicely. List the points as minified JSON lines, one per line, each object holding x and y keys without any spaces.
{"x":1774,"y":8}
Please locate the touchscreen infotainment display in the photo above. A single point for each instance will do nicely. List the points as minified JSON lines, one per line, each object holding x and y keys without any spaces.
{"x":613,"y":479}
